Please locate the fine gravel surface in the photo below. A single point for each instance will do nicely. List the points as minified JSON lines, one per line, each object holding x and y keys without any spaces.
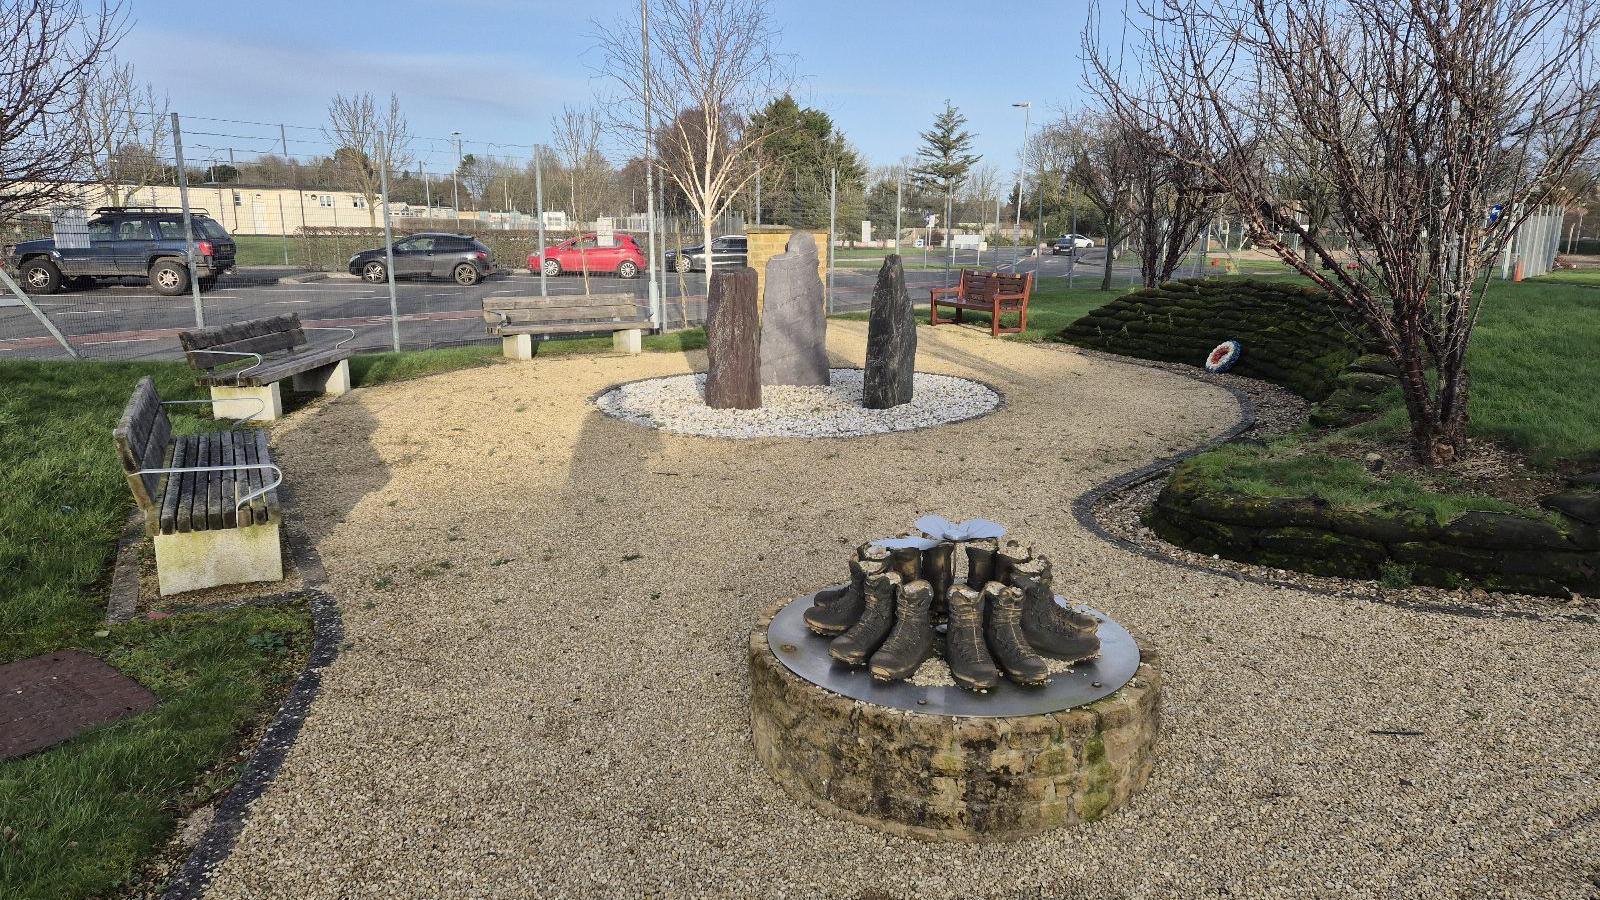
{"x":677,"y":404}
{"x":544,"y":690}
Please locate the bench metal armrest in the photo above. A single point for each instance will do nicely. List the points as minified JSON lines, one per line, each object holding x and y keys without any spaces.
{"x":337,"y":344}
{"x":241,"y":501}
{"x":241,"y":372}
{"x":504,"y":319}
{"x":236,"y":422}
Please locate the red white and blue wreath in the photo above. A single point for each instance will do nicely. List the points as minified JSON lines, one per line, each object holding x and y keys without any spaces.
{"x":1223,"y":358}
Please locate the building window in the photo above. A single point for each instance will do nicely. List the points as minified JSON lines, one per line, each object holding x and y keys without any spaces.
{"x":325,"y":200}
{"x":237,"y":200}
{"x":359,"y":202}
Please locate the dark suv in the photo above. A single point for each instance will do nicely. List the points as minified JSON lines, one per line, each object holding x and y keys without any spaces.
{"x":142,"y":241}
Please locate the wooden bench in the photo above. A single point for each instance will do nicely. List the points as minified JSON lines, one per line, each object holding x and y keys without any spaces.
{"x":990,"y":292}
{"x":209,"y":500}
{"x":242,"y":363}
{"x":516,"y":320}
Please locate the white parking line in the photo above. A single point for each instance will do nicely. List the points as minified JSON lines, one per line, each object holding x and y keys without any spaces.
{"x":87,"y":312}
{"x":279,"y":302}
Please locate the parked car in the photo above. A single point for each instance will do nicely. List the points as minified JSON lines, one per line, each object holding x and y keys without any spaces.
{"x":141,"y":241}
{"x":460,"y":257}
{"x":623,"y":257}
{"x":728,"y":250}
{"x":1070,"y":242}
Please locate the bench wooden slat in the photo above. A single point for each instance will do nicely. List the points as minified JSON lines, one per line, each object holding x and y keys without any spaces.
{"x":217,"y":335}
{"x":186,"y":485}
{"x":562,"y":301}
{"x":568,"y":328}
{"x":169,"y":499}
{"x":230,"y":481}
{"x":214,"y":490}
{"x":269,"y":503}
{"x":228,"y":354}
{"x":556,"y":316}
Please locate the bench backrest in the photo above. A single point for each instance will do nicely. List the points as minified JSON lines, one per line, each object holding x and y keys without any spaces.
{"x":219,"y":345}
{"x":142,"y":435}
{"x":982,"y":286}
{"x":564,"y":310}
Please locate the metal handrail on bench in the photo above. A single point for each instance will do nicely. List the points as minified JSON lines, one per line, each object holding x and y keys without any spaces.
{"x":240,"y":373}
{"x":240,"y":501}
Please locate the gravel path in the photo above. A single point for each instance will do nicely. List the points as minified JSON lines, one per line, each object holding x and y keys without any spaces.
{"x":544,"y":692}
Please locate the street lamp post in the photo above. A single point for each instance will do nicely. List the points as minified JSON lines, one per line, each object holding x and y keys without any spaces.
{"x":455,"y":186}
{"x":1027,"y":116}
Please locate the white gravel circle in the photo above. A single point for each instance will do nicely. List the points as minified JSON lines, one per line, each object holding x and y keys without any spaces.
{"x":677,"y":404}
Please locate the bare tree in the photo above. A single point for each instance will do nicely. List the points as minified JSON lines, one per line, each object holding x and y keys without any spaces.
{"x":127,"y":128}
{"x":1440,"y":126}
{"x":365,"y":137}
{"x":50,"y":51}
{"x":577,"y":143}
{"x":713,"y":65}
{"x":1102,"y":168}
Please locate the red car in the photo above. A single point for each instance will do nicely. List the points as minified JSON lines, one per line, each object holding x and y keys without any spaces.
{"x":623,"y":257}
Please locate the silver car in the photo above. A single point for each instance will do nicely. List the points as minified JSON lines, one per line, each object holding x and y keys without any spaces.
{"x":460,"y":257}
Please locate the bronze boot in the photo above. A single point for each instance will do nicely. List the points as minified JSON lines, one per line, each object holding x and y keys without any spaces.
{"x":831,"y":619}
{"x":970,"y":663}
{"x":911,"y":642}
{"x":938,"y":568}
{"x":1065,"y":634}
{"x":856,"y":645}
{"x":1009,"y":555}
{"x":980,"y":563}
{"x":1006,"y":641}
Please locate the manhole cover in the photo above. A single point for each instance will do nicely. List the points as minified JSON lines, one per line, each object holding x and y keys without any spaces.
{"x":48,"y":699}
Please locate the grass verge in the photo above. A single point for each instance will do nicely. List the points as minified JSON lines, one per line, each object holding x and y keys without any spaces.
{"x":86,"y":814}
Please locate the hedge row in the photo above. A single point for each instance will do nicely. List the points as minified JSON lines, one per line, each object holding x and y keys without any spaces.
{"x":1496,"y":551}
{"x":1290,"y":335}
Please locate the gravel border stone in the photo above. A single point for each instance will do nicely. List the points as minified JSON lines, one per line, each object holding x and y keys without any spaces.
{"x":676,"y":403}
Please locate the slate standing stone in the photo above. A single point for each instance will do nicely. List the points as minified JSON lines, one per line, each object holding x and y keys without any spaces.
{"x":793,"y":322}
{"x":891,"y":340}
{"x":733,"y":341}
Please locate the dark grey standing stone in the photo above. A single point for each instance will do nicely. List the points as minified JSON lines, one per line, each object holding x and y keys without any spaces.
{"x":793,"y":322}
{"x":733,"y":341}
{"x":891,"y":340}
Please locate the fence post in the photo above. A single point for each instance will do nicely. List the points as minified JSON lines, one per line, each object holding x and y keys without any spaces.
{"x":899,"y":201}
{"x":833,"y":215}
{"x":538,"y":204}
{"x":188,"y":222}
{"x":388,"y":243}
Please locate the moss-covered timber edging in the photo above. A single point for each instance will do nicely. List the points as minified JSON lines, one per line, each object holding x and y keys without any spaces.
{"x":1552,"y":556}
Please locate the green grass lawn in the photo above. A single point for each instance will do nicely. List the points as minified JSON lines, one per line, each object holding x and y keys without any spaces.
{"x":88,"y":813}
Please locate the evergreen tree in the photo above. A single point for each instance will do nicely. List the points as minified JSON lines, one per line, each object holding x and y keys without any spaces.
{"x":800,"y":148}
{"x":944,"y":160}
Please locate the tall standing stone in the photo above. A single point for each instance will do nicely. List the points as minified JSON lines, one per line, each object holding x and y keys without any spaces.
{"x":891,"y":340}
{"x":793,"y":322}
{"x":733,"y":340}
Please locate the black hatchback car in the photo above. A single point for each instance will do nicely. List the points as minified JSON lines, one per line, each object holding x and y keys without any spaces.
{"x":728,"y":250}
{"x":123,"y":241}
{"x":460,"y":257}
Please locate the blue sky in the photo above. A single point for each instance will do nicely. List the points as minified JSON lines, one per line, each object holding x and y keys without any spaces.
{"x":498,"y":70}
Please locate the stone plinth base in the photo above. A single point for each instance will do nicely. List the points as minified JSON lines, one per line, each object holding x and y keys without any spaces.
{"x":947,"y":777}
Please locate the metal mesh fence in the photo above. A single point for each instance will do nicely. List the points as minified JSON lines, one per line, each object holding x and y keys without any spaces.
{"x":299,"y":206}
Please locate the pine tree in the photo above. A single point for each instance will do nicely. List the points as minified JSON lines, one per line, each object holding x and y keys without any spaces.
{"x":943,"y":158}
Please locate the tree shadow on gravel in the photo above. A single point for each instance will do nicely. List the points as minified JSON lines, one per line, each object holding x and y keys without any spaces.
{"x":330,"y":464}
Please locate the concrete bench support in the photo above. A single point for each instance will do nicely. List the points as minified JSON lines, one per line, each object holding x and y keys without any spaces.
{"x":194,"y":560}
{"x":333,"y":379}
{"x":263,"y":404}
{"x":517,"y":346}
{"x":628,"y":341}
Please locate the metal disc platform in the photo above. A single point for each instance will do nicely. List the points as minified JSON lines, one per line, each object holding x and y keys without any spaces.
{"x":806,"y":655}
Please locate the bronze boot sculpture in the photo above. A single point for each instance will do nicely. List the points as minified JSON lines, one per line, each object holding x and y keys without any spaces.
{"x":911,"y":642}
{"x":1006,"y":641}
{"x":980,"y":563}
{"x":856,"y":645}
{"x":964,"y":649}
{"x":830,"y":618}
{"x":938,"y":568}
{"x":1061,"y":633}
